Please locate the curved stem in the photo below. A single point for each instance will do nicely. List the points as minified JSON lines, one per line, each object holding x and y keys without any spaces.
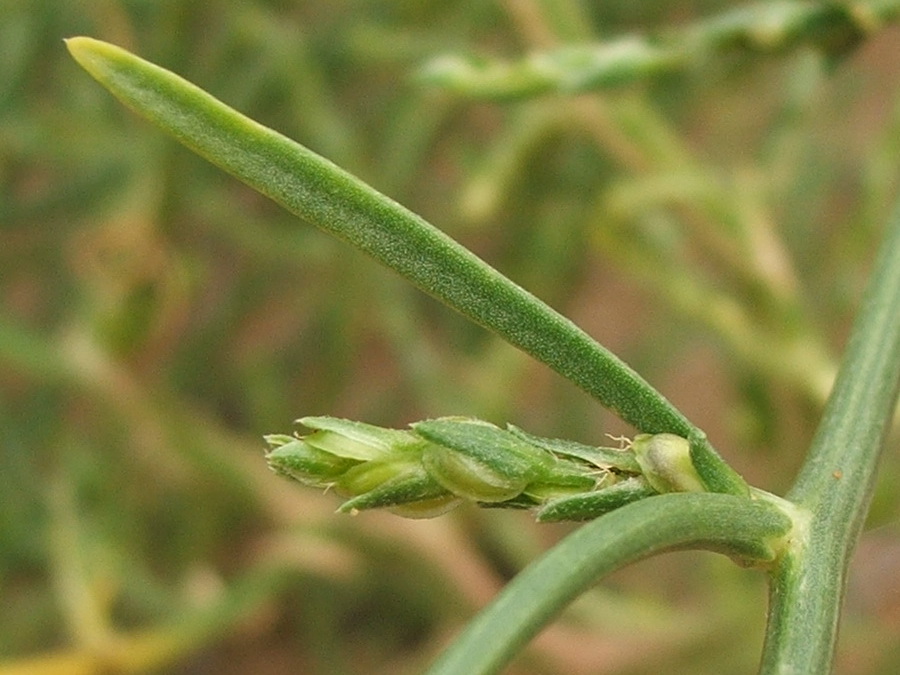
{"x":723,"y":523}
{"x":835,"y":483}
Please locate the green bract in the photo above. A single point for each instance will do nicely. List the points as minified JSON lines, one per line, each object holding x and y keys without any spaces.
{"x":356,"y":440}
{"x":397,"y":484}
{"x":602,"y":458}
{"x":304,"y":462}
{"x":590,"y":505}
{"x":471,"y":478}
{"x":479,"y":461}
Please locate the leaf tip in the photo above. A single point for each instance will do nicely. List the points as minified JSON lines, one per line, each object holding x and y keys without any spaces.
{"x":91,"y":53}
{"x":80,"y":45}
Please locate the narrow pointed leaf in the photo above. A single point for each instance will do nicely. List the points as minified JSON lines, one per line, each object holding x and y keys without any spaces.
{"x":312,"y":187}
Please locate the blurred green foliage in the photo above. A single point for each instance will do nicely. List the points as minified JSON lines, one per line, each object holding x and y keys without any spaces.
{"x":712,"y":227}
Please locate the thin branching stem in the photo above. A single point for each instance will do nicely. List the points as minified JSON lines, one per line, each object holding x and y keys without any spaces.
{"x":718,"y":522}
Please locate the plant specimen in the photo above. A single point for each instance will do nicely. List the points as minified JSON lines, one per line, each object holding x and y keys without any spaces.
{"x":668,"y":488}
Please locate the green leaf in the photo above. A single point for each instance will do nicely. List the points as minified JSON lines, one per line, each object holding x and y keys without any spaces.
{"x":315,"y":189}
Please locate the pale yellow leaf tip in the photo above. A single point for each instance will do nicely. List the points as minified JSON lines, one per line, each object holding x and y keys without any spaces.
{"x":91,"y":53}
{"x":79,"y":47}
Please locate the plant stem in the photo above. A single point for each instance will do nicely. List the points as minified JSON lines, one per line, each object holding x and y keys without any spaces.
{"x":835,"y":483}
{"x":536,"y":595}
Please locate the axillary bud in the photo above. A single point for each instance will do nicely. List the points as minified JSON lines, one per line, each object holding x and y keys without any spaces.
{"x":665,"y":461}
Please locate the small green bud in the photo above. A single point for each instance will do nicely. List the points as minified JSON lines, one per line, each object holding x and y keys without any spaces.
{"x":501,"y":450}
{"x":470,"y":477}
{"x":480,"y":461}
{"x":409,"y":489}
{"x":356,"y":440}
{"x":367,"y":476}
{"x":305,"y":463}
{"x":665,"y":461}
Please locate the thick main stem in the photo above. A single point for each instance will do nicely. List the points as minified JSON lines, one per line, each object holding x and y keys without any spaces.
{"x":835,"y":484}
